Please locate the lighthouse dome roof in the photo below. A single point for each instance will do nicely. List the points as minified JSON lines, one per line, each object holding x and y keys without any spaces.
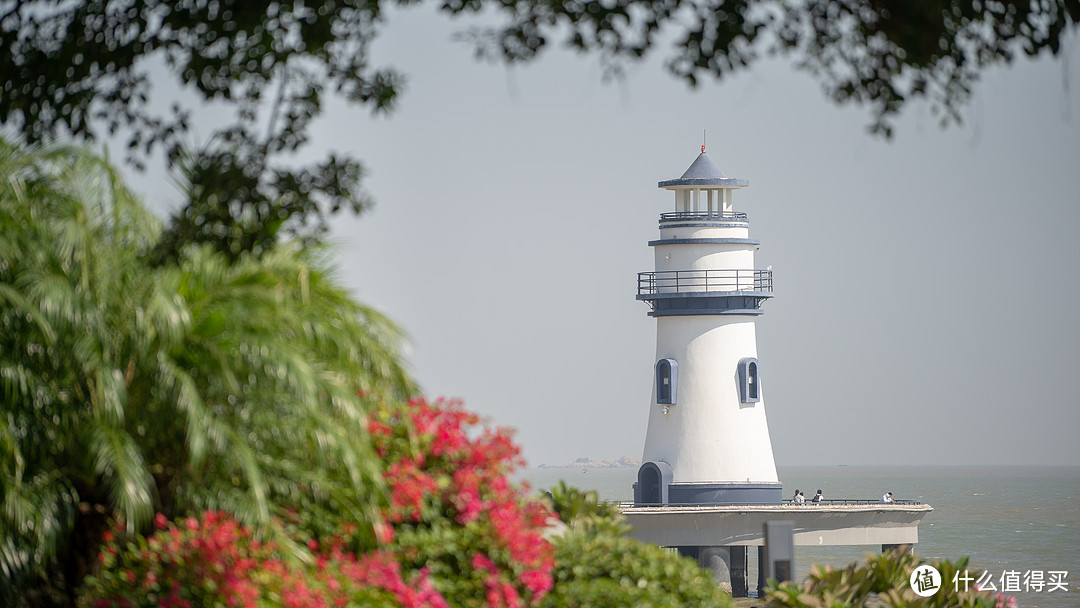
{"x":704,"y":172}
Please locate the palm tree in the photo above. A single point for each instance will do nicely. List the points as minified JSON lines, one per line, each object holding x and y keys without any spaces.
{"x":128,"y":388}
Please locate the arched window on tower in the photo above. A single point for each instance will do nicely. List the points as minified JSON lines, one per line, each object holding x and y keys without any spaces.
{"x":667,"y":381}
{"x":749,"y":381}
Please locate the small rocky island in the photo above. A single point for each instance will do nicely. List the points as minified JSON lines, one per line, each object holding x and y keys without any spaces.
{"x":588,"y":463}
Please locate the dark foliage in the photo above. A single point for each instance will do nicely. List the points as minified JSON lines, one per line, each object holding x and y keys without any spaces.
{"x":877,"y":53}
{"x":83,"y":67}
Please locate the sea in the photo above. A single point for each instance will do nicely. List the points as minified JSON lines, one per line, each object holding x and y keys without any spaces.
{"x":1015,"y":522}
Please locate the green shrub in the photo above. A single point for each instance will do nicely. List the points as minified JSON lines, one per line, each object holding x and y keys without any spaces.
{"x":604,"y":570}
{"x":881,"y":581}
{"x":128,"y":389}
{"x":583,"y":511}
{"x":597,"y":565}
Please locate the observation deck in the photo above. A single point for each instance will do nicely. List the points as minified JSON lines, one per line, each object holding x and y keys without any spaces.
{"x":834,"y":522}
{"x":705,"y":292}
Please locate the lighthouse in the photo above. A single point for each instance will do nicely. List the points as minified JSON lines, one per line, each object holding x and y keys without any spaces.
{"x":707,"y":485}
{"x":708,"y":438}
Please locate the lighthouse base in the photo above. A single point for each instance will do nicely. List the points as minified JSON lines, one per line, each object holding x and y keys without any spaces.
{"x":655,"y":487}
{"x":725,"y":493}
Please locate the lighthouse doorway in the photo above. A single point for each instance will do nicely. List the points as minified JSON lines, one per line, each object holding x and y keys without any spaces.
{"x":653,"y":479}
{"x":650,"y":485}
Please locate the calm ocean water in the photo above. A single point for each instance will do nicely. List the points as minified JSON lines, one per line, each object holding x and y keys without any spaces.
{"x":1005,"y":518}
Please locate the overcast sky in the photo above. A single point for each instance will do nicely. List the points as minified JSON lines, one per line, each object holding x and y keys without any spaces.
{"x":927,"y":288}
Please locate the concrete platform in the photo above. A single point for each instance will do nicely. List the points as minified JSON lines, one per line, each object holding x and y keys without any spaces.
{"x":830,"y":524}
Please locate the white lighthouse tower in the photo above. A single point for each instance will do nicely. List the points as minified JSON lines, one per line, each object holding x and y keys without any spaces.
{"x":708,"y":439}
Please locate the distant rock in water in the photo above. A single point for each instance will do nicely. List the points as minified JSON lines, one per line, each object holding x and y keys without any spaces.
{"x":588,"y":463}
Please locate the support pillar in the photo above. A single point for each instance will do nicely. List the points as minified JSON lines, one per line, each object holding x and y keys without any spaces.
{"x":903,"y":548}
{"x":738,"y":570}
{"x":761,"y":571}
{"x":717,"y":560}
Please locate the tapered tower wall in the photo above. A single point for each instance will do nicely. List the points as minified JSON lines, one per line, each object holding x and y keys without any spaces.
{"x":709,"y":436}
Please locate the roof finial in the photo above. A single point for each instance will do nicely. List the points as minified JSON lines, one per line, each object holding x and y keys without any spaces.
{"x":703,"y":141}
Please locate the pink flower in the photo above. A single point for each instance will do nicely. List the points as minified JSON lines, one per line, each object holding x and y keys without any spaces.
{"x":384,"y":533}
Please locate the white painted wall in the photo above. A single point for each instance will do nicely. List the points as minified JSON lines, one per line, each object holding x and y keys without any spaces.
{"x":722,"y":231}
{"x":704,"y":257}
{"x":709,"y":436}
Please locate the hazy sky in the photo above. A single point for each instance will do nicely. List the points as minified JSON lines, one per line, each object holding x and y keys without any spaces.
{"x":927,"y":288}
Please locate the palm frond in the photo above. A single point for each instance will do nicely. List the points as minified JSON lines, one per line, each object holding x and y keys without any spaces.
{"x":133,"y":387}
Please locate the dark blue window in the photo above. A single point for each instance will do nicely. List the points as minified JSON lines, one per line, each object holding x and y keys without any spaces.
{"x":667,"y":381}
{"x":749,"y":381}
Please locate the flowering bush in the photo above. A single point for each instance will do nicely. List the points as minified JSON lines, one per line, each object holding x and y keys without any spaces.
{"x":214,"y":561}
{"x":456,"y":532}
{"x":454,"y":510}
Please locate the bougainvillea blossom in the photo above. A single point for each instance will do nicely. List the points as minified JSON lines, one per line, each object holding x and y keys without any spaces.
{"x":446,"y":474}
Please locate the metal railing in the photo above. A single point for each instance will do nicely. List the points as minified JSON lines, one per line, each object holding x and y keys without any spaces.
{"x":702,"y":215}
{"x":626,"y":504}
{"x":852,"y":501}
{"x":705,"y":281}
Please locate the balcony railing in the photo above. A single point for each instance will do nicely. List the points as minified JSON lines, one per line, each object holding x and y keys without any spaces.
{"x":702,"y":215}
{"x":787,"y":503}
{"x":703,"y":281}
